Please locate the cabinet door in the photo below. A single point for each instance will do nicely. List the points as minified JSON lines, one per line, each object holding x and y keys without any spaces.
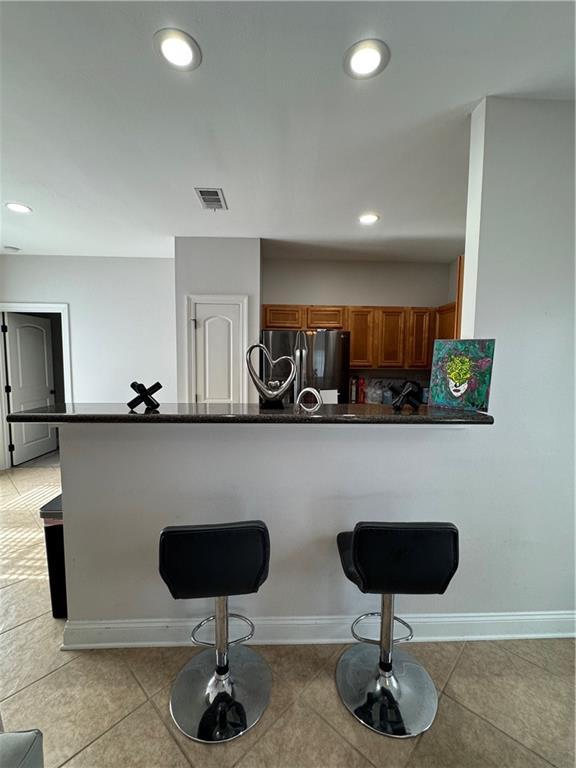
{"x":360,"y":323}
{"x":446,"y":322}
{"x":390,"y":337}
{"x":419,"y":345}
{"x":325,"y":317}
{"x":282,"y":316}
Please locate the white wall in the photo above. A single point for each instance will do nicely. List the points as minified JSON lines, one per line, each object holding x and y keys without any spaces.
{"x":523,"y":228}
{"x":307,"y":281}
{"x":124,"y":482}
{"x":216,"y":265}
{"x":122,"y":319}
{"x":473,"y":220}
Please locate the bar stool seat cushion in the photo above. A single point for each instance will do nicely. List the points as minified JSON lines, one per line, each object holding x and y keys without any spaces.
{"x":344,"y":541}
{"x":400,"y":558}
{"x":198,"y":561}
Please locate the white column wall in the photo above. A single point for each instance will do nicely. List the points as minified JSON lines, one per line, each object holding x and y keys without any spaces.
{"x":216,"y":265}
{"x":521,"y":222}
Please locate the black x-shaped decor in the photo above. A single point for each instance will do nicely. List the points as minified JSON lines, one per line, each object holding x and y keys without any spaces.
{"x":410,"y":394}
{"x":145,"y":396}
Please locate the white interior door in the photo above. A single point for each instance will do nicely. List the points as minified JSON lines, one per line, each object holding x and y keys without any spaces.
{"x":31,"y":381}
{"x":217,"y":369}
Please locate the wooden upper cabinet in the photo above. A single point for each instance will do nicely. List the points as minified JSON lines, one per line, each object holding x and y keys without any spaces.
{"x":325,"y":317}
{"x":380,"y":337}
{"x":283,"y":316}
{"x":419,"y":343}
{"x":446,"y":322}
{"x":390,"y":337}
{"x":360,"y":323}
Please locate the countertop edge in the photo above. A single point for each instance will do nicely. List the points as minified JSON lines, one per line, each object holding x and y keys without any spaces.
{"x":479,"y":419}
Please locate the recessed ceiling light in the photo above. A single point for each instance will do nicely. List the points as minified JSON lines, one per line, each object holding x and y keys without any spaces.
{"x":18,"y":208}
{"x":10,"y":249}
{"x":366,"y":58}
{"x":368,"y":218}
{"x":178,"y":48}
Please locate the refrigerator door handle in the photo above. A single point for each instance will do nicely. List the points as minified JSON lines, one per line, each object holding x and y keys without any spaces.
{"x":298,"y":370}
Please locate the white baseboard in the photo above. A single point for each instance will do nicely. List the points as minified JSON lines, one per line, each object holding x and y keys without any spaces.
{"x":324,"y":629}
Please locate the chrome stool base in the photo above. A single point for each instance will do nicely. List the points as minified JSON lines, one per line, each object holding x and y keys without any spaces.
{"x":401,"y":703}
{"x":212,"y":708}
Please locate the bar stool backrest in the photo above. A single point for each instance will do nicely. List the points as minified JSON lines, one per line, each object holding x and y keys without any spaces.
{"x":214,"y":560}
{"x":405,"y":558}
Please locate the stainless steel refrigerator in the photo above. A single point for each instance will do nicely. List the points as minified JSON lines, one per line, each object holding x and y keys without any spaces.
{"x":322,"y":360}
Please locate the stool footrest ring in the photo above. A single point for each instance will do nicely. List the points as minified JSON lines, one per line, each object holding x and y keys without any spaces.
{"x":370,"y":640}
{"x":209,"y":619}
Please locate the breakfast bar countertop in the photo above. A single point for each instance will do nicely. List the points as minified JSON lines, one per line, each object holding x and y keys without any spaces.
{"x":191,"y":413}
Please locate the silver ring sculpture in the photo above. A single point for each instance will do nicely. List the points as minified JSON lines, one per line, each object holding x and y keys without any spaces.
{"x":316,"y":394}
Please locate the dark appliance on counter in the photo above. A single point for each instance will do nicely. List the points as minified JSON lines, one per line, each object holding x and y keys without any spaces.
{"x":408,"y":393}
{"x":322,"y":360}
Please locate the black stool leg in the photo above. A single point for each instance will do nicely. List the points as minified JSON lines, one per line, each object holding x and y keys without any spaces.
{"x":386,"y":689}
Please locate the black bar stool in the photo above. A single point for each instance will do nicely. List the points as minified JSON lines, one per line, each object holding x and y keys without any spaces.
{"x":386,"y":689}
{"x":219,"y":698}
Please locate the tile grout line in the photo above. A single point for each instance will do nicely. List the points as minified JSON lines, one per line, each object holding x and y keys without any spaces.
{"x":156,"y":709}
{"x":420,"y":740}
{"x":528,"y":661}
{"x":509,"y":736}
{"x":42,"y":677}
{"x":417,"y":740}
{"x":285,"y":709}
{"x":5,"y":586}
{"x":325,"y":666}
{"x":269,"y":728}
{"x":101,"y":734}
{"x":131,"y":671}
{"x":12,"y":482}
{"x":26,"y":621}
{"x":149,"y":700}
{"x":454,"y":667}
{"x":476,"y":714}
{"x":341,"y":735}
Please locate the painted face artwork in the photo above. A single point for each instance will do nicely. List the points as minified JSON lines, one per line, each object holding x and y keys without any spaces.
{"x":461,"y":373}
{"x":457,"y":389}
{"x":459,"y":369}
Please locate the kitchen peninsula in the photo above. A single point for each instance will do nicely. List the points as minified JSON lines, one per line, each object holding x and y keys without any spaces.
{"x":125,"y":476}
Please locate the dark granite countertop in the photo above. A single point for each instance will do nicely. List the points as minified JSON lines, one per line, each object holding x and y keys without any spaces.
{"x":189,"y":413}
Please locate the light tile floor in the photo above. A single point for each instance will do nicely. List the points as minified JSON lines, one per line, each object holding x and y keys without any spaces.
{"x":506,"y":704}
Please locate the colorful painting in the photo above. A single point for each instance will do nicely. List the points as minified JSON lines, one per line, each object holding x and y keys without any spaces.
{"x":461,"y":373}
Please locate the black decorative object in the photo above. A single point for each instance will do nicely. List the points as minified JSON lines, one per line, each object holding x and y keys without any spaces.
{"x":145,"y":396}
{"x":271,"y":405}
{"x":409,"y":394}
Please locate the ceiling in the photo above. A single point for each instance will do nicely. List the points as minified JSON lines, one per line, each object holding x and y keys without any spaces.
{"x":106,"y":142}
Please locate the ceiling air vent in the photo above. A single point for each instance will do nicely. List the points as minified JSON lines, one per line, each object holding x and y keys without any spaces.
{"x":212,"y":198}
